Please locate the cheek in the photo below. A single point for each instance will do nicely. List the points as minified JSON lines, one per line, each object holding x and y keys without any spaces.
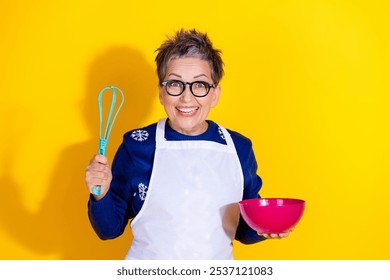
{"x":167,"y":103}
{"x":212,"y":102}
{"x":206,"y":107}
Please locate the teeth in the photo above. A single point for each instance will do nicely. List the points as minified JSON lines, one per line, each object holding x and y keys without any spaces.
{"x":187,"y":110}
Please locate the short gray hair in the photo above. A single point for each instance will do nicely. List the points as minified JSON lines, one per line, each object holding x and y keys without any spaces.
{"x":189,"y":43}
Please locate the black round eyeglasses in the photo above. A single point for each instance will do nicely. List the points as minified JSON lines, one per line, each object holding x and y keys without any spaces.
{"x":197,"y":88}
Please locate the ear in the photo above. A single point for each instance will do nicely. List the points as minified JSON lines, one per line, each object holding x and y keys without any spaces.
{"x":161,"y":94}
{"x":215,"y":95}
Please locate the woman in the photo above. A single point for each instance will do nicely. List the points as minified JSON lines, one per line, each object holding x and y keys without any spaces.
{"x":180,"y":179}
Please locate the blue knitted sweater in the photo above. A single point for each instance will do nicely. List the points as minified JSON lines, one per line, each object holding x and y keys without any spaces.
{"x":131,"y":170}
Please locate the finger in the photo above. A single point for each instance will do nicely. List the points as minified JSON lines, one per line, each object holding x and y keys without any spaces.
{"x":272,"y":236}
{"x":99,"y":159}
{"x":98,"y":167}
{"x":284,"y":234}
{"x":102,"y":175}
{"x":95,"y":181}
{"x":94,"y":178}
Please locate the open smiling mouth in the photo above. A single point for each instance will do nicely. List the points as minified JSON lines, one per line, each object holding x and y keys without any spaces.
{"x":187,"y":111}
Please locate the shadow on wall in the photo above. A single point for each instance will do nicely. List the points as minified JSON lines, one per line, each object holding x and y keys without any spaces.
{"x":61,"y":225}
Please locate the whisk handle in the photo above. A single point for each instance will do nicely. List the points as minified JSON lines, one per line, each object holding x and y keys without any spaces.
{"x":97,"y":190}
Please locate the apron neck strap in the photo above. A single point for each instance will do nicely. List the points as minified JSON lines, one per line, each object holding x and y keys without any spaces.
{"x":160,"y":133}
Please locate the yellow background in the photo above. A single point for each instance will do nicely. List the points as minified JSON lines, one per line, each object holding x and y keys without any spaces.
{"x":307,"y":81}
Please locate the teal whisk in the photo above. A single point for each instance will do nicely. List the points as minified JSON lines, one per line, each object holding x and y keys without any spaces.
{"x":103,"y":139}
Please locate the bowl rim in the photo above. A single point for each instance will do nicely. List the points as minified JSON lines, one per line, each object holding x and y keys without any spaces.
{"x":297,"y":200}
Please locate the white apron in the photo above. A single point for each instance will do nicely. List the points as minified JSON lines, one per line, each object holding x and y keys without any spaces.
{"x":190,"y":210}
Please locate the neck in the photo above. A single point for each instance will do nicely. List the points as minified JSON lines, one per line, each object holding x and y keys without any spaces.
{"x":191,"y":132}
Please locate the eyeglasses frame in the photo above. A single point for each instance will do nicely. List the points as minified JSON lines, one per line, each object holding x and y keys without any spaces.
{"x":164,"y":84}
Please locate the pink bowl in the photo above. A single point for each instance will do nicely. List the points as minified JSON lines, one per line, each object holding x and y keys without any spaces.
{"x":272,"y":215}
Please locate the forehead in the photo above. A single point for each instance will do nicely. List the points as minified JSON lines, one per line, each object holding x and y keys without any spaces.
{"x":188,"y":65}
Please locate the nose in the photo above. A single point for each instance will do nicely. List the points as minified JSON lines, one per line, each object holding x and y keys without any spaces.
{"x":187,"y":94}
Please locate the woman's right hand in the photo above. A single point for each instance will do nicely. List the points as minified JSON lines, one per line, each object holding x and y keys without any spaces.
{"x":98,"y":173}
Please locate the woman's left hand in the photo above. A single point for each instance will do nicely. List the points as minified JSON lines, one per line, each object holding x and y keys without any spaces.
{"x":276,"y":235}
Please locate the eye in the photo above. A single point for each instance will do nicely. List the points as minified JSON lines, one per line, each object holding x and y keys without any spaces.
{"x":175,"y":84}
{"x":201,"y":85}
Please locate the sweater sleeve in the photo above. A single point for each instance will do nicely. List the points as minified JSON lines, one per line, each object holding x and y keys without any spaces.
{"x":109,"y":216}
{"x":252,"y":185}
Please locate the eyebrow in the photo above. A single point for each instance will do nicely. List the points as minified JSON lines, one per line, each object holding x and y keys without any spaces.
{"x":197,"y":76}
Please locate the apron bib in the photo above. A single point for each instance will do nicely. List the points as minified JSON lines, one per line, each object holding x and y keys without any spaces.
{"x":190,"y":210}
